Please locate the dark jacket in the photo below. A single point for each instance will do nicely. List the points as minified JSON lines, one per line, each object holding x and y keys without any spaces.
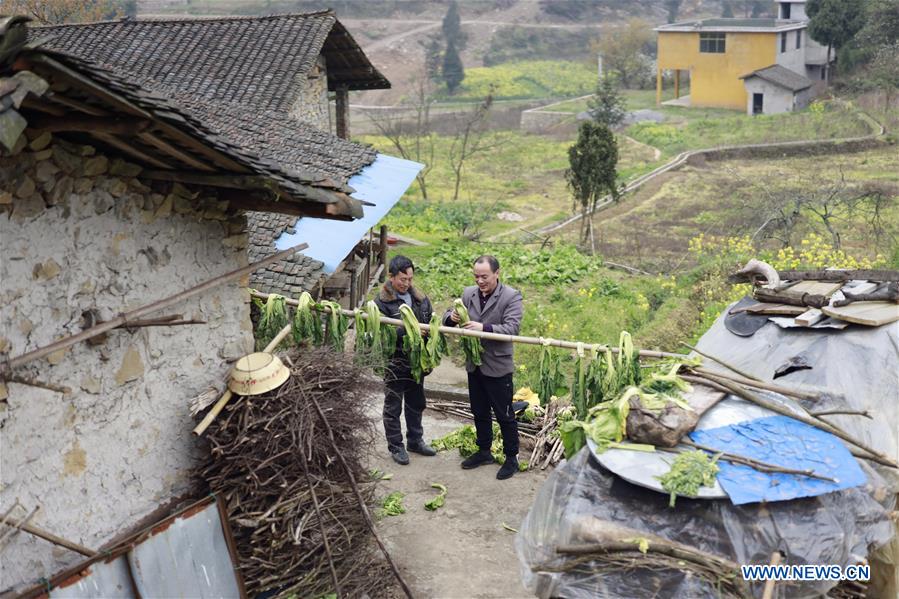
{"x":389,"y":304}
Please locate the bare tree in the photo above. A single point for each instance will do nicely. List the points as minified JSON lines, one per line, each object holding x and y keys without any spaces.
{"x":410,"y":130}
{"x":470,"y":140}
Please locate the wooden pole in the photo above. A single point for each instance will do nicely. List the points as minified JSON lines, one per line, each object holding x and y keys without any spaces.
{"x":48,"y":536}
{"x":382,"y":253}
{"x":226,"y":396}
{"x":644,"y":353}
{"x":149,"y":308}
{"x":722,"y":362}
{"x":768,"y":592}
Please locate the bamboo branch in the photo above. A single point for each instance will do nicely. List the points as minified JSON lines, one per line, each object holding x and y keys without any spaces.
{"x":789,"y":391}
{"x":47,"y":536}
{"x":495,"y":336}
{"x":149,"y":308}
{"x":864,"y":413}
{"x":805,"y":418}
{"x":722,"y":362}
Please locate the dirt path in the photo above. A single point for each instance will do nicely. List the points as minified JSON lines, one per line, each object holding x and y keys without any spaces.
{"x":462,"y":549}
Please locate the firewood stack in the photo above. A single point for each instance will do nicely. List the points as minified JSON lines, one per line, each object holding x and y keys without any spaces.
{"x":291,"y":504}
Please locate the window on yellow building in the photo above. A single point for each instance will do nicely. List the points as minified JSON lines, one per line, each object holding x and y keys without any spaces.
{"x":711,"y":43}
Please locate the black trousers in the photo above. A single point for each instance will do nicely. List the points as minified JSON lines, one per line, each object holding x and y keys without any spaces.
{"x":493,"y":393}
{"x":402,"y":395}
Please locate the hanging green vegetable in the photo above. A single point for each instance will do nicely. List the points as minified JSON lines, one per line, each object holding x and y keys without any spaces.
{"x":435,"y":346}
{"x":274,"y":318}
{"x":307,"y":324}
{"x":471,"y":346}
{"x":579,"y":382}
{"x":629,"y":373}
{"x":387,"y":332}
{"x":690,"y":471}
{"x":363,"y":344}
{"x":335,"y":333}
{"x":551,"y":381}
{"x":413,"y":344}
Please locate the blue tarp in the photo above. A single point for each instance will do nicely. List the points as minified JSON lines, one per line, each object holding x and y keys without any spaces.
{"x":382,"y":183}
{"x":787,"y":443}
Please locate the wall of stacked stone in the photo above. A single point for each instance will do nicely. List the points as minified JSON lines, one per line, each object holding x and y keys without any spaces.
{"x":311,"y":105}
{"x":80,"y":231}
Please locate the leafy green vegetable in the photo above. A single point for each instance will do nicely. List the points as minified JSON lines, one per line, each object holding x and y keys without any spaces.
{"x":465,"y":439}
{"x":471,"y":346}
{"x":307,"y":324}
{"x":274,"y":318}
{"x":392,"y":505}
{"x":689,"y":471}
{"x":335,"y":333}
{"x":436,"y":345}
{"x":550,"y":379}
{"x":413,"y":344}
{"x":437,"y":501}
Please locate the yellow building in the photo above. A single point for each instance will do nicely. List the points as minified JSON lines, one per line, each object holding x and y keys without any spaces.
{"x":723,"y":56}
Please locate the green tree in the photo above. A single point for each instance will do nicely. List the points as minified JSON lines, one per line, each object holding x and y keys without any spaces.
{"x":592,"y":173}
{"x":607,"y":106}
{"x":622,"y":51}
{"x":673,"y":7}
{"x":433,"y":52}
{"x":452,"y":27}
{"x":453,"y":70}
{"x":834,"y":22}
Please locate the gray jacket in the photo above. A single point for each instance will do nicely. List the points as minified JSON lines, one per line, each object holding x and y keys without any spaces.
{"x":503,"y":311}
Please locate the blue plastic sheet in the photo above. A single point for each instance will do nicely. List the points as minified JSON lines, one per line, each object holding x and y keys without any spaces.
{"x":787,"y":443}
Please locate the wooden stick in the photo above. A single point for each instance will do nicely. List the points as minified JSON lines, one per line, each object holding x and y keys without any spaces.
{"x":48,"y":536}
{"x":768,"y":592}
{"x":226,"y":396}
{"x":756,"y":464}
{"x":804,"y":418}
{"x":791,"y":392}
{"x":33,"y":383}
{"x":722,"y":362}
{"x":149,"y":308}
{"x":359,"y":498}
{"x":839,"y":275}
{"x":864,"y":413}
{"x":14,"y":529}
{"x":496,"y":336}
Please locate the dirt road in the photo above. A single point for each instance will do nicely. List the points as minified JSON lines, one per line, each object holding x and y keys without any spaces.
{"x":462,"y":549}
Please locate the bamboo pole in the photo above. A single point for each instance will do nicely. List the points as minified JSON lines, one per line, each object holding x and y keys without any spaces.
{"x":722,"y":362}
{"x":226,"y":396}
{"x":644,"y":353}
{"x":758,"y":385}
{"x":48,"y":536}
{"x":149,"y":308}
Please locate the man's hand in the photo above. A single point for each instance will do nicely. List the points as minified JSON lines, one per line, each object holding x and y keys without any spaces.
{"x":454,"y":316}
{"x":473,"y":326}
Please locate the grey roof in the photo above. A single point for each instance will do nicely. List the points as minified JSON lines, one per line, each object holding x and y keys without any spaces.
{"x":782,"y":77}
{"x":289,"y":277}
{"x":746,"y":24}
{"x":252,"y":60}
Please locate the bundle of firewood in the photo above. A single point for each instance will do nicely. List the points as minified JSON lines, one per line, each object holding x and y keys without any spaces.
{"x":292,"y":502}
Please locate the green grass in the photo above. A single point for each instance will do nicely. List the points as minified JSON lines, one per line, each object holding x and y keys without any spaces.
{"x":527,"y":79}
{"x":713,"y":129}
{"x":521,"y":173}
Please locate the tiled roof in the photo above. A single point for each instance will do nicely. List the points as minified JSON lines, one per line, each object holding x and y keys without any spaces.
{"x":782,"y":77}
{"x":258,"y":61}
{"x":289,"y":277}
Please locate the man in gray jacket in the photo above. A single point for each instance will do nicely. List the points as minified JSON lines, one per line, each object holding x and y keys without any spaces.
{"x":493,"y":308}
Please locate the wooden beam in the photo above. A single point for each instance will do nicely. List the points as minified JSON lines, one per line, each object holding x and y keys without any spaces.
{"x":171,"y":150}
{"x":132,"y":151}
{"x":32,"y":103}
{"x":228,"y":181}
{"x":78,"y":105}
{"x":260,"y":203}
{"x":200,"y":147}
{"x":342,"y":110}
{"x":90,"y":124}
{"x":78,"y":80}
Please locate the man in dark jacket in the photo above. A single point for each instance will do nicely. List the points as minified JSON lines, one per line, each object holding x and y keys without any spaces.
{"x":400,"y":388}
{"x":493,"y":308}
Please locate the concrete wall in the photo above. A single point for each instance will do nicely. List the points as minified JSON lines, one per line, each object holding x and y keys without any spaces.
{"x":777,"y":99}
{"x":715,"y":78}
{"x":793,"y":59}
{"x":78,"y":231}
{"x":311,"y":105}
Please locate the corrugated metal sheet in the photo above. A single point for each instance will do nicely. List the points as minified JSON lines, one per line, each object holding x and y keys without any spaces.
{"x":189,"y":558}
{"x":101,"y":579}
{"x":188,"y":554}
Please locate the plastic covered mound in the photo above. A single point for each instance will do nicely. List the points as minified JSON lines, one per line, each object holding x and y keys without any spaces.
{"x":581,"y":498}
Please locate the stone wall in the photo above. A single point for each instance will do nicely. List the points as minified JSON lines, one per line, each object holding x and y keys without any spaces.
{"x":78,"y":232}
{"x":311,"y":105}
